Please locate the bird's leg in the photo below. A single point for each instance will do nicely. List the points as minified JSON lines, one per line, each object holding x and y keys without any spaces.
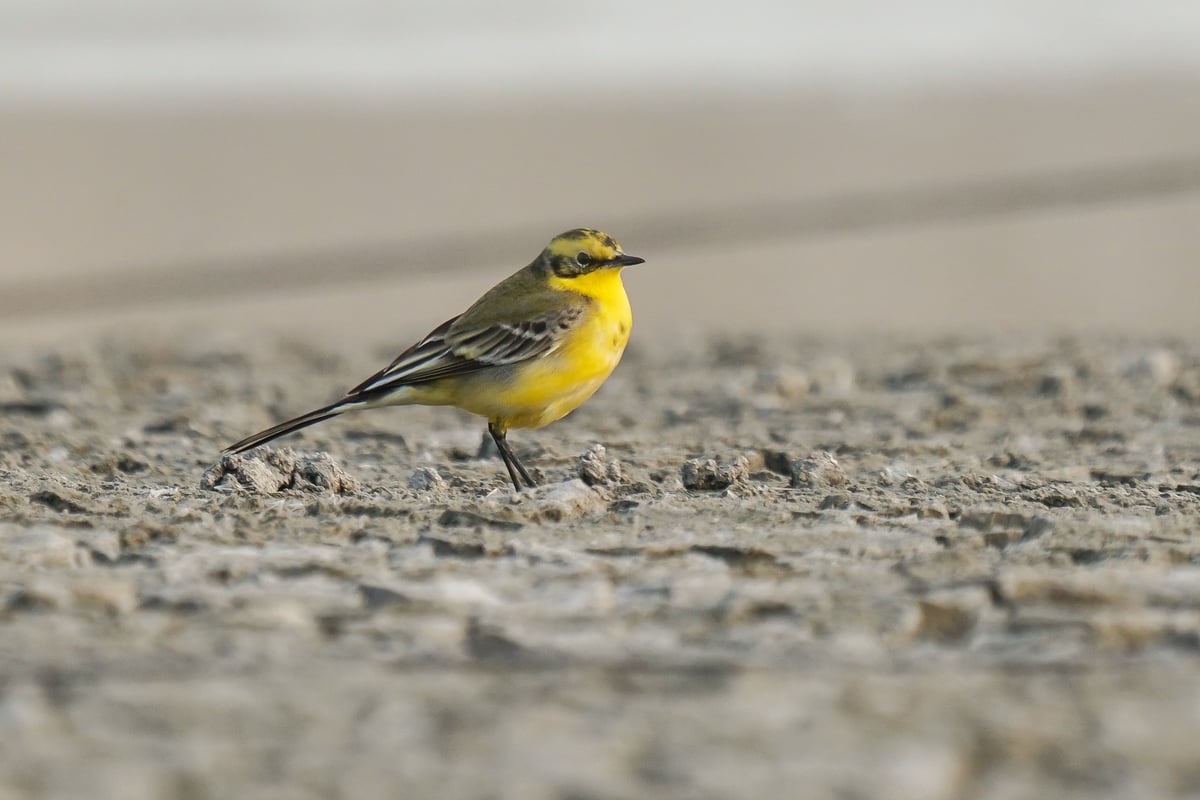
{"x":499,"y":436}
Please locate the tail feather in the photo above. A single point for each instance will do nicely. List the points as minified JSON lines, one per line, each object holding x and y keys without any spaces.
{"x":302,"y":421}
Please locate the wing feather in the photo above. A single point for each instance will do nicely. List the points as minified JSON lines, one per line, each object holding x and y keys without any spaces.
{"x":449,"y":351}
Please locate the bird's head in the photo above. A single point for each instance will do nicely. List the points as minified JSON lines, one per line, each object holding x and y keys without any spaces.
{"x":582,"y":251}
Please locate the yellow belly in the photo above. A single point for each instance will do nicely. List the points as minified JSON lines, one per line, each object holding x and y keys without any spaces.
{"x":542,"y":390}
{"x":547,"y":389}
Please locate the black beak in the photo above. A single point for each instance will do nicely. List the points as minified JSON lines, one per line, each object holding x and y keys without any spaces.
{"x":625,"y":261}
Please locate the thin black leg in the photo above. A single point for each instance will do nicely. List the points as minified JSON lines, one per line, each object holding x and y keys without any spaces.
{"x":521,"y":468}
{"x":512,"y":473}
{"x":499,"y":436}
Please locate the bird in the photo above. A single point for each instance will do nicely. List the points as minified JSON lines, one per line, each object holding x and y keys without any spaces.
{"x":531,"y":350}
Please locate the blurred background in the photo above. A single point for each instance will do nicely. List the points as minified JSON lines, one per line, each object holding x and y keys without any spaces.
{"x":362,"y":169}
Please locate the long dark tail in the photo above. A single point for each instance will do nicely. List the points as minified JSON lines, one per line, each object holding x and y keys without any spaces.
{"x":302,"y":421}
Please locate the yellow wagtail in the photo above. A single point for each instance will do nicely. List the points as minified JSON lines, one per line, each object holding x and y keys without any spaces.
{"x":529,"y":352}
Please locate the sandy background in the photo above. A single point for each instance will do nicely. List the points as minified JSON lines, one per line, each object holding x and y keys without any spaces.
{"x":1066,"y":208}
{"x":901,"y":474}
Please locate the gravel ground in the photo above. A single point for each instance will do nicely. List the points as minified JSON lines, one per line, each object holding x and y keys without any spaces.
{"x":851,"y":568}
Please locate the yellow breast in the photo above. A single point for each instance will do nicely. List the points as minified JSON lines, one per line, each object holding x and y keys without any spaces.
{"x":546,"y":389}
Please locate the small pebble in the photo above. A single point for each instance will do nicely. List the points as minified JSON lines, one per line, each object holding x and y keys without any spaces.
{"x":567,"y":500}
{"x":817,"y":469}
{"x":272,"y":471}
{"x":595,"y":468}
{"x":707,"y":475}
{"x":427,"y":479}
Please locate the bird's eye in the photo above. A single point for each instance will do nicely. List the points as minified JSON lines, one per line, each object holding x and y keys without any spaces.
{"x":583,"y":259}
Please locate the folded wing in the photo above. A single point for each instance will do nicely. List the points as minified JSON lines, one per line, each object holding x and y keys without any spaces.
{"x":454,"y":349}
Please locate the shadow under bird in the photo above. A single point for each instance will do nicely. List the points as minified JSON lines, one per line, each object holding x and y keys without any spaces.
{"x":527,"y":353}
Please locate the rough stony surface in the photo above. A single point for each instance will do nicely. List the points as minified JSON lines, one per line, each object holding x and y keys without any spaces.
{"x":271,"y":470}
{"x":595,"y":467}
{"x":869,"y":569}
{"x":708,"y":474}
{"x":817,"y":469}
